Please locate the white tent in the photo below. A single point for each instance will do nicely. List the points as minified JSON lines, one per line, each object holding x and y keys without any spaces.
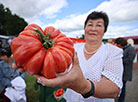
{"x":4,"y":37}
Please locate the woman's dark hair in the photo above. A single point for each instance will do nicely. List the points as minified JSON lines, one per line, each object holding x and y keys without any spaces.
{"x":6,"y":51}
{"x":121,"y":41}
{"x":97,"y":15}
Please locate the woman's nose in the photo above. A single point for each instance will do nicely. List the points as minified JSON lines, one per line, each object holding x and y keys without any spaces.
{"x":93,"y":28}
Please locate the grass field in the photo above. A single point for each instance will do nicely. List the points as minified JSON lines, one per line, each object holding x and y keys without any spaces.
{"x":31,"y":94}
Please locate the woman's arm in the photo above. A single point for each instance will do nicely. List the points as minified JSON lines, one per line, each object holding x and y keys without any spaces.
{"x":106,"y":89}
{"x":77,"y":82}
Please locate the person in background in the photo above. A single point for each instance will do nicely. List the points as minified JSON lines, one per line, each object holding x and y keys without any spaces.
{"x":0,"y":44}
{"x":129,"y":54}
{"x":96,"y":71}
{"x":131,"y":42}
{"x":9,"y":41}
{"x":7,"y":74}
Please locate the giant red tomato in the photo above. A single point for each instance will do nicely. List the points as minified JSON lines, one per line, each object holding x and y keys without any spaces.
{"x":47,"y":52}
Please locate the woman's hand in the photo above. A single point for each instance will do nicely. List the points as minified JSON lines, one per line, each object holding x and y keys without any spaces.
{"x":15,"y":67}
{"x":74,"y":79}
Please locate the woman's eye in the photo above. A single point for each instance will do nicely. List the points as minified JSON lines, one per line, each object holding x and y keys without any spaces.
{"x":99,"y":25}
{"x":89,"y":24}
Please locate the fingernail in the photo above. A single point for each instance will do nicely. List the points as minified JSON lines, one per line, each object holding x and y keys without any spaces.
{"x":39,"y":80}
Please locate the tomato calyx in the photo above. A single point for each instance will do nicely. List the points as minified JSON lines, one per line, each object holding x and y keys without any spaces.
{"x":47,"y":43}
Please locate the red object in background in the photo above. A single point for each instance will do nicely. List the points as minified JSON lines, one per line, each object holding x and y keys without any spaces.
{"x":77,"y":40}
{"x":59,"y":92}
{"x":5,"y":98}
{"x":49,"y":54}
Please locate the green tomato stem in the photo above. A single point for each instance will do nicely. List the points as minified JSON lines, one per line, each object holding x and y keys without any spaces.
{"x":47,"y":43}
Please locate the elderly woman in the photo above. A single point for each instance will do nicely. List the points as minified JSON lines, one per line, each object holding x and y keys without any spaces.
{"x":96,"y":71}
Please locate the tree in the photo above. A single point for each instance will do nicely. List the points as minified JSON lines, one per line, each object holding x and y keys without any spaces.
{"x":10,"y":24}
{"x":2,"y":19}
{"x":81,"y":37}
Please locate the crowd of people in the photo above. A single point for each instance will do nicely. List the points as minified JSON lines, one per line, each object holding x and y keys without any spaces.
{"x":11,"y":80}
{"x":129,"y":54}
{"x":99,"y":71}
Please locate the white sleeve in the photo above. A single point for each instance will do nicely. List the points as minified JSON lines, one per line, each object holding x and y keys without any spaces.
{"x":113,"y":66}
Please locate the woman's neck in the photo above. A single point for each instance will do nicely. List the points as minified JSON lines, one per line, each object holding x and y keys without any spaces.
{"x":90,"y":49}
{"x":92,"y":46}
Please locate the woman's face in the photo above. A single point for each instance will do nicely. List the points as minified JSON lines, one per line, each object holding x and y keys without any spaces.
{"x":94,"y":30}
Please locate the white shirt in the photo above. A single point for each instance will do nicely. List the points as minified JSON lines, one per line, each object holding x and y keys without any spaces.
{"x":17,"y":94}
{"x":106,"y":61}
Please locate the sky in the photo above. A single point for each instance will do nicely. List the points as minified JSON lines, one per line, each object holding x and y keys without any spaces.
{"x":69,"y":15}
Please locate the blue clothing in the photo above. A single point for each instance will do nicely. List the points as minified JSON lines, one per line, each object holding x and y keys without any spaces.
{"x":22,"y":74}
{"x":6,"y":75}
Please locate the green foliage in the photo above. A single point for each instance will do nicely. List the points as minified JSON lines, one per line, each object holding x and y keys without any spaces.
{"x":81,"y":37}
{"x":10,"y":24}
{"x":31,"y":93}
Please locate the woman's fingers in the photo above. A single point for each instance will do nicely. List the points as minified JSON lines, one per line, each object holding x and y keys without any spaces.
{"x":75,"y":59}
{"x":50,"y":82}
{"x":67,"y":80}
{"x":75,"y":65}
{"x":15,"y":67}
{"x":21,"y":70}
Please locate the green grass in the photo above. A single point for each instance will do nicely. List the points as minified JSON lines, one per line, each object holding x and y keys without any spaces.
{"x":31,"y":94}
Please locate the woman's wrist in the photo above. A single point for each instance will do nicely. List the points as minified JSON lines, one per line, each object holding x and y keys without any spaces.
{"x":89,"y":90}
{"x":87,"y":87}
